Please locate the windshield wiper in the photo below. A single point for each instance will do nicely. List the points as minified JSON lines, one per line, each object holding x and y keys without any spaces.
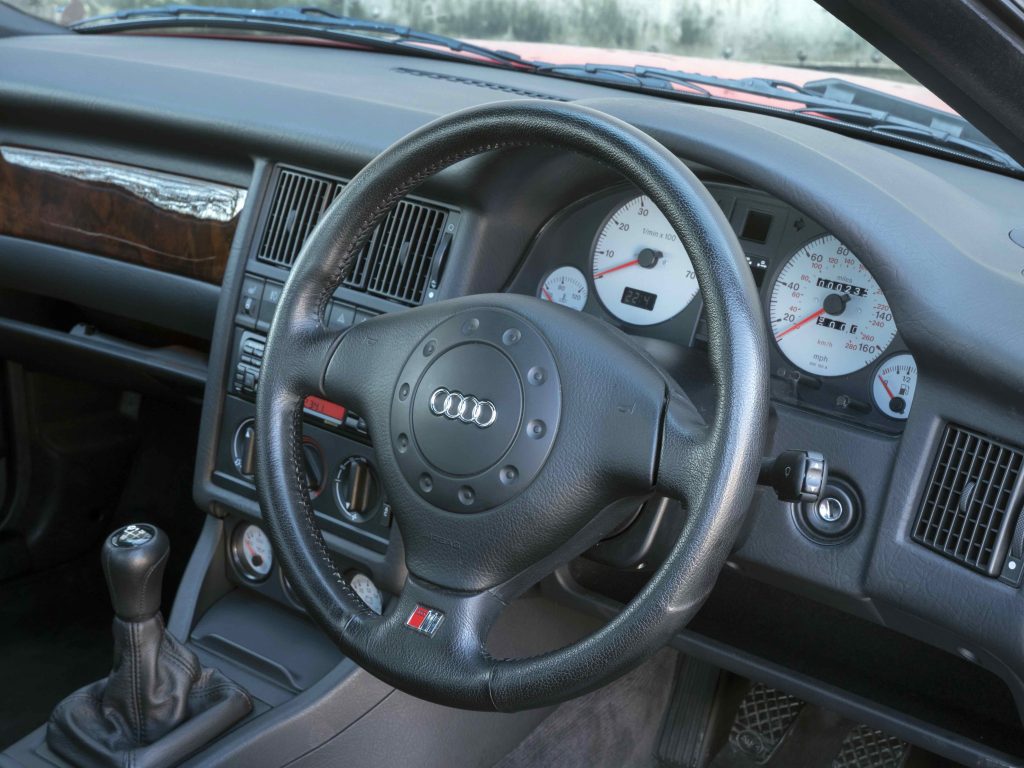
{"x":300,"y":20}
{"x":836,"y":100}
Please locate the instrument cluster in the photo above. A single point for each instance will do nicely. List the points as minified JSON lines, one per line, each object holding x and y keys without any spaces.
{"x":835,"y":346}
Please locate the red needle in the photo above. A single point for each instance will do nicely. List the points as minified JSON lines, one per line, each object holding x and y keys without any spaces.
{"x":802,"y":322}
{"x":546,"y":294}
{"x":249,"y":548}
{"x":887,"y":390}
{"x":604,"y":272}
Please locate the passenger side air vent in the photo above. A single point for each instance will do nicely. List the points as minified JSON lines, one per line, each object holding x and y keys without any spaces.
{"x":972,"y":499}
{"x":402,"y":258}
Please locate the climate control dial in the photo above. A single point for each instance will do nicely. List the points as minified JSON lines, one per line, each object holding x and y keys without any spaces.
{"x":357,"y":489}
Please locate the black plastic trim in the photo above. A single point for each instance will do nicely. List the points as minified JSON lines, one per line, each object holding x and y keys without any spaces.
{"x":103,"y":359}
{"x":161,"y":299}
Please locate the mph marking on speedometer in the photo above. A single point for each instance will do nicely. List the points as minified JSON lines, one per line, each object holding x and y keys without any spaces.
{"x":828,"y":314}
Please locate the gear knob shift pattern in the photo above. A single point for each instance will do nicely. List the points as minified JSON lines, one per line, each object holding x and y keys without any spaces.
{"x":134,"y":558}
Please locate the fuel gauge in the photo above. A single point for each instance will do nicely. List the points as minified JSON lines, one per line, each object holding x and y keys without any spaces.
{"x":566,"y":286}
{"x":894,"y":385}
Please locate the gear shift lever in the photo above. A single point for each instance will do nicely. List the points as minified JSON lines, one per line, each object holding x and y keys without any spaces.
{"x":158,"y":705}
{"x":134,"y":559}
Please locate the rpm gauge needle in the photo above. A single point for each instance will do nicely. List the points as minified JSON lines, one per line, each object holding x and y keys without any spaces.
{"x":800,"y":323}
{"x":608,"y":271}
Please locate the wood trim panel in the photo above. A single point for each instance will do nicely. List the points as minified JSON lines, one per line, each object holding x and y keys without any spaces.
{"x":160,"y":220}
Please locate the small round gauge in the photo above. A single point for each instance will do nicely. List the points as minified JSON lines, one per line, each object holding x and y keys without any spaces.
{"x":828,"y":315}
{"x":642,"y":273}
{"x":894,"y":385}
{"x":251,"y":551}
{"x":566,"y":286}
{"x":368,"y":592}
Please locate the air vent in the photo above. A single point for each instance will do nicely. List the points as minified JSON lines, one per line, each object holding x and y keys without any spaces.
{"x":972,"y":499}
{"x":299,"y":200}
{"x":397,"y":264}
{"x":401,"y":257}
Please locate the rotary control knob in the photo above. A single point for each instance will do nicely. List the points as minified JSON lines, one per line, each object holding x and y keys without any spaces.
{"x":357,"y":489}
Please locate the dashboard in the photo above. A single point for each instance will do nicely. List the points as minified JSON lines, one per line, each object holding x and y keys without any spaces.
{"x":890,"y":282}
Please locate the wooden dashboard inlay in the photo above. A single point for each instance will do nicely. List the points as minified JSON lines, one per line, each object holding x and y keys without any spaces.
{"x":160,"y":220}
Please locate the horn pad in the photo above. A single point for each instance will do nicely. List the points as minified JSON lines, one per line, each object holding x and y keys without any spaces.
{"x":475,"y":410}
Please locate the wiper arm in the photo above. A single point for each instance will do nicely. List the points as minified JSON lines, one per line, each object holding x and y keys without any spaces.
{"x":295,"y":19}
{"x":852,"y":104}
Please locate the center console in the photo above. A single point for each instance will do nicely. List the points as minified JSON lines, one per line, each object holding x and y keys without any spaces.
{"x":401,"y":266}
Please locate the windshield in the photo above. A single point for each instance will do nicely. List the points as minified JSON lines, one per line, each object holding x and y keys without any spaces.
{"x":740,"y":50}
{"x":769,"y":33}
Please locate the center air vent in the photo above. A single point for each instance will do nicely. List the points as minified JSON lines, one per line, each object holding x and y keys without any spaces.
{"x":972,"y":500}
{"x":402,"y":258}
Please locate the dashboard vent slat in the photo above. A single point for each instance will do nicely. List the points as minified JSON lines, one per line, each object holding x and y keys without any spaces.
{"x":404,"y":253}
{"x":972,"y":501}
{"x":397,"y":262}
{"x":297,"y":204}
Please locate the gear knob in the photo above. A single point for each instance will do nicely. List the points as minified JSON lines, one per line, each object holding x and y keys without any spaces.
{"x":134,"y":558}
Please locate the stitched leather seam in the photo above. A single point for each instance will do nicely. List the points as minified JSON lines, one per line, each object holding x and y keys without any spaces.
{"x":134,"y":675}
{"x":145,"y":581}
{"x":345,"y":263}
{"x":309,"y":515}
{"x":181,"y":663}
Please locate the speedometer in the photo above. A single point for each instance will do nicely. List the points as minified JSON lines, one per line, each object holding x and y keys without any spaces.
{"x":642,"y":273}
{"x":827,"y":312}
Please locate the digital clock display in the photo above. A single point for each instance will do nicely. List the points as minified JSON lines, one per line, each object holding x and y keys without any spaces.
{"x":634,"y":297}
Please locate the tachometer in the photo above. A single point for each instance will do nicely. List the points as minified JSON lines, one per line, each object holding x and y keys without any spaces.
{"x":642,"y":273}
{"x":566,"y":286}
{"x":827,"y":312}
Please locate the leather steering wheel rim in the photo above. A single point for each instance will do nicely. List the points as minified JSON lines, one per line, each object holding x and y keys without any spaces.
{"x":711,"y":468}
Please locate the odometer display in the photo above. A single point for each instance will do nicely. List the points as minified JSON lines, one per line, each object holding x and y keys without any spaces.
{"x":634,"y":297}
{"x":642,"y":273}
{"x":827,"y":313}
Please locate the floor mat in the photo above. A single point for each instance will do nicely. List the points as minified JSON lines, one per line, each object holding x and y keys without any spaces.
{"x":55,"y":637}
{"x":613,"y":727}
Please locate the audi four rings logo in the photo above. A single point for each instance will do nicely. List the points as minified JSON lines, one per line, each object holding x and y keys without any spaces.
{"x":465,"y":408}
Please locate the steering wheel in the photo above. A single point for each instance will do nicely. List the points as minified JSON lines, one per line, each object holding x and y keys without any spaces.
{"x":506,"y":429}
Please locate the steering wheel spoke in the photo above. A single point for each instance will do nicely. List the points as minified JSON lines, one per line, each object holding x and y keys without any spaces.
{"x":428,"y":634}
{"x":687,"y":451}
